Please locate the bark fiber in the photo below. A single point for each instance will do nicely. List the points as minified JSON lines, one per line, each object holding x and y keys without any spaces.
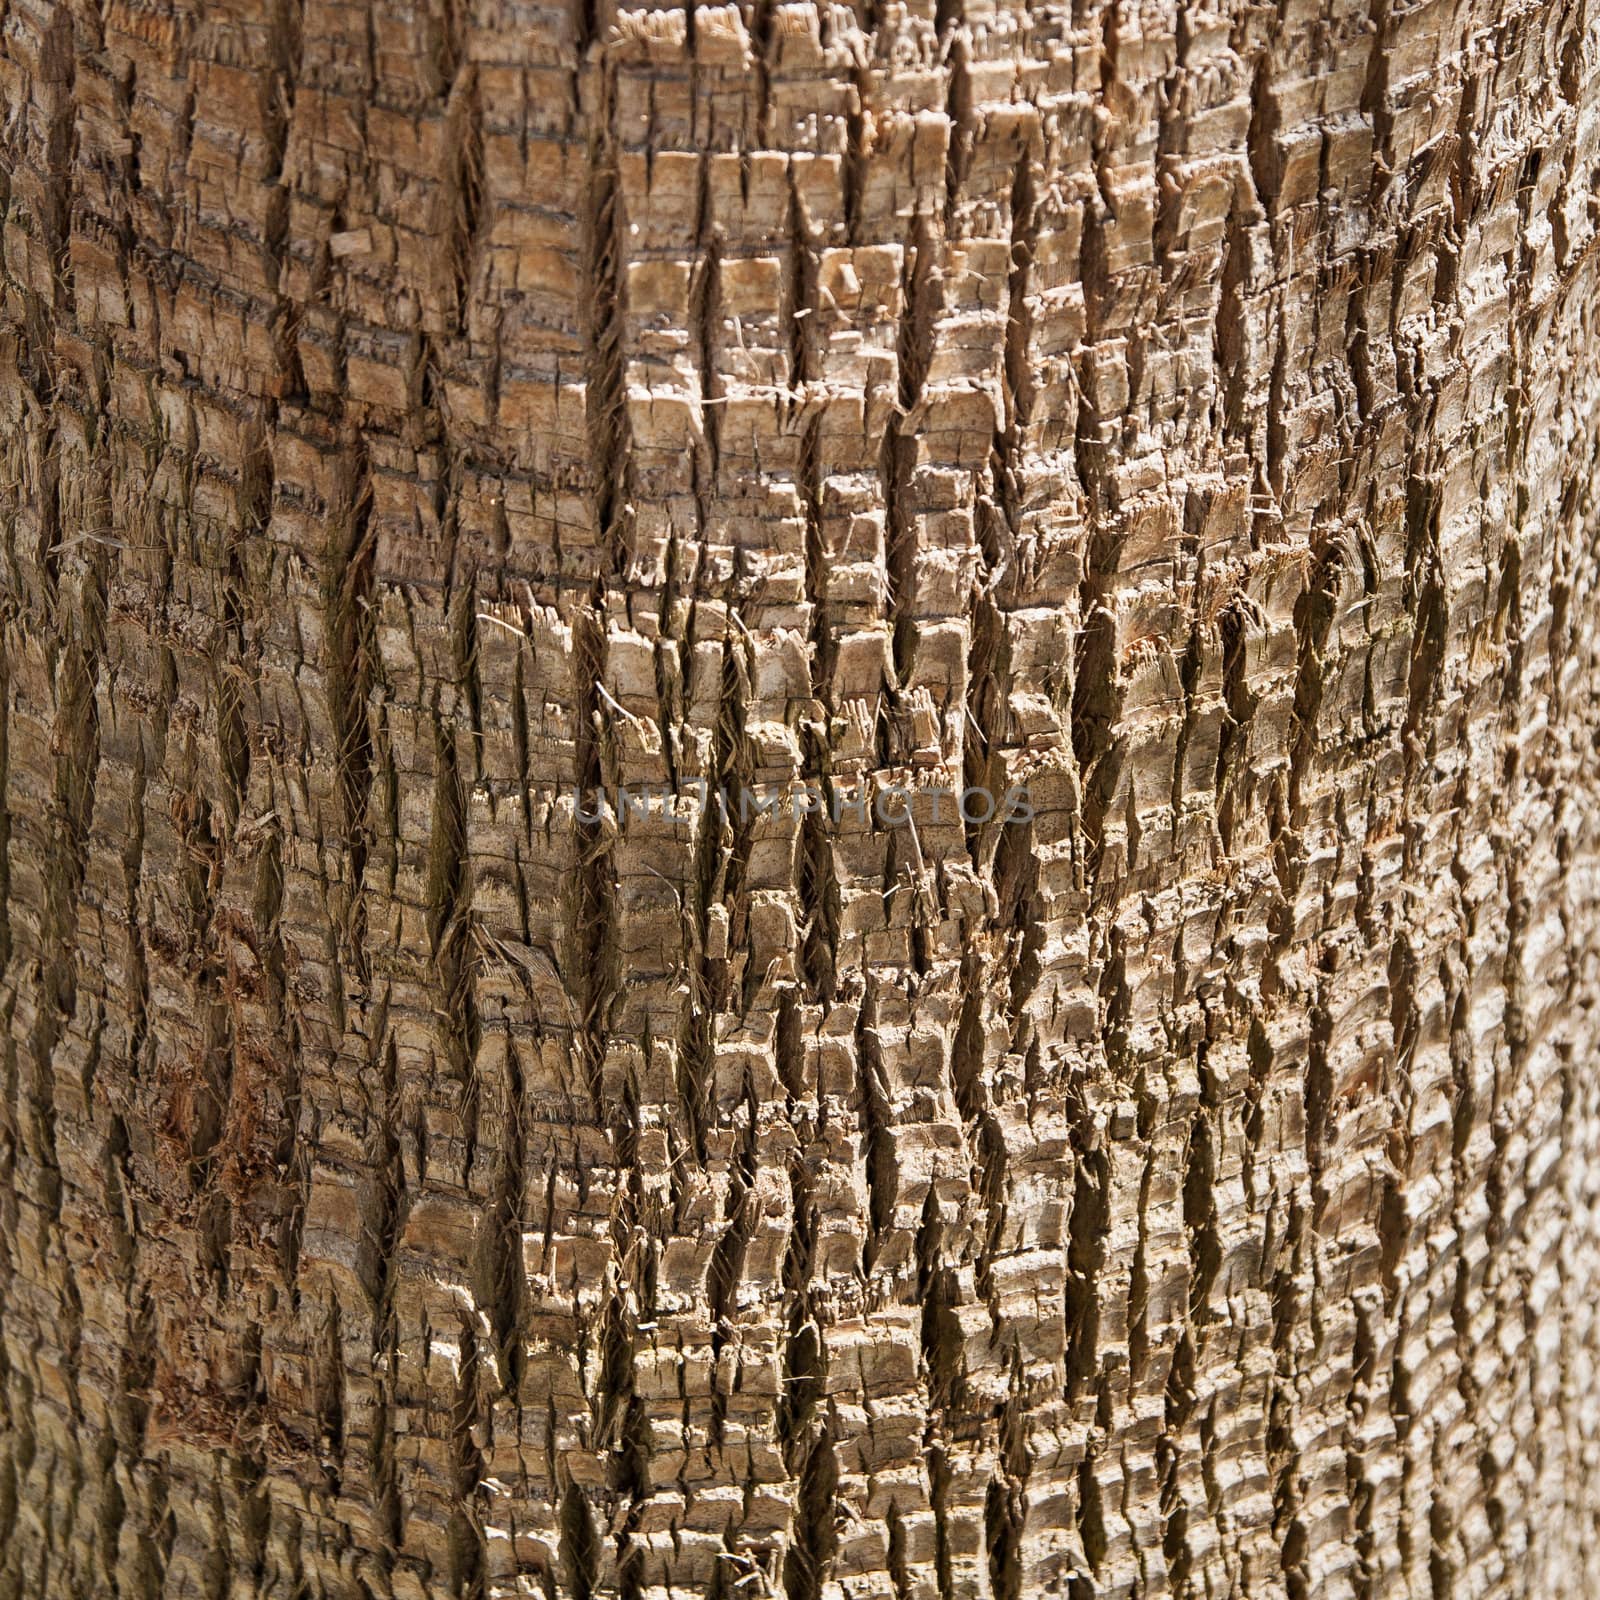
{"x":411,"y":1188}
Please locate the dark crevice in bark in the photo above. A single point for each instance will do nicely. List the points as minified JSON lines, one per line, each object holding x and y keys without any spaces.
{"x":808,"y":1565}
{"x":449,"y":923}
{"x":328,"y":1398}
{"x":1090,"y":1224}
{"x":727,"y":1258}
{"x":802,"y":1375}
{"x":463,"y":118}
{"x":352,"y":663}
{"x":1200,"y":1203}
{"x":1096,"y":748}
{"x":985,"y":1136}
{"x":942,"y":1345}
{"x":875,"y":1111}
{"x":1006,"y":1502}
{"x":1175,"y":1450}
{"x":468,"y":1542}
{"x":505,"y":1280}
{"x":605,"y":395}
{"x":385,"y":1210}
{"x":897,"y":470}
{"x":236,"y":674}
{"x":723,"y":855}
{"x":1090,"y":1512}
{"x":594,"y":959}
{"x":1288,"y":1304}
{"x":705,"y":314}
{"x":579,"y":1547}
{"x":955,"y":50}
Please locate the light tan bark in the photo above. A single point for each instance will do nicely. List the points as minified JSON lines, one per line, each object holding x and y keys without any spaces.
{"x":410,"y":1189}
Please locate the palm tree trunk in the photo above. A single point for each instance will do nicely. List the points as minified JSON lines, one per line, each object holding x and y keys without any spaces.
{"x":498,"y":1101}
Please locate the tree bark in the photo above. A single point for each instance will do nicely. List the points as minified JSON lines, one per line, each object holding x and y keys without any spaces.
{"x":420,"y":1179}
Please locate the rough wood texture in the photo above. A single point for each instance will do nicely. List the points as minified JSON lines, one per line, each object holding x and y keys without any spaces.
{"x":409,"y":1188}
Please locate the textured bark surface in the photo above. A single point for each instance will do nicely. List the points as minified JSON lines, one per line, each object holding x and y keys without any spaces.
{"x":410,"y":1189}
